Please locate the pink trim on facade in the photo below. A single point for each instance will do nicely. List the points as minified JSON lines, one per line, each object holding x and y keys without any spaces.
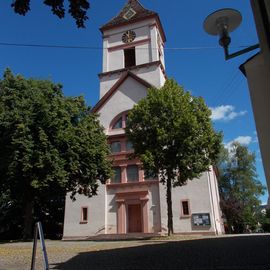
{"x":141,"y":174}
{"x":144,"y":203}
{"x":121,"y":216}
{"x":182,"y":215}
{"x":116,"y":118}
{"x":123,"y":174}
{"x":129,"y":45}
{"x":121,"y":70}
{"x":132,"y":184}
{"x":84,"y":221}
{"x":129,"y":198}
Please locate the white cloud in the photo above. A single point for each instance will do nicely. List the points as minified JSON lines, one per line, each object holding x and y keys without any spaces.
{"x":245,"y":140}
{"x":255,"y":139}
{"x":225,"y":112}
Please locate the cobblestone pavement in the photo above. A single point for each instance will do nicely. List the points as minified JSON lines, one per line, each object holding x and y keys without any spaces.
{"x":237,"y":252}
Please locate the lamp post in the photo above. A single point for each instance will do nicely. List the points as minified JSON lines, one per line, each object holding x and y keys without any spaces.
{"x":221,"y":23}
{"x":256,"y":69}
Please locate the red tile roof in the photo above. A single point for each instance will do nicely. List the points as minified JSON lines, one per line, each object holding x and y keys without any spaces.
{"x":141,"y":12}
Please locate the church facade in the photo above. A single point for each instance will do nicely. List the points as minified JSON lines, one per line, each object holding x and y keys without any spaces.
{"x":132,"y":201}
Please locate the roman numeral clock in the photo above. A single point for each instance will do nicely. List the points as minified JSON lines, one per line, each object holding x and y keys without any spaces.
{"x":128,"y":36}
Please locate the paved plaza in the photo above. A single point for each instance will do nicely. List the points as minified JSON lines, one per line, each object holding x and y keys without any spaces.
{"x":235,"y":252}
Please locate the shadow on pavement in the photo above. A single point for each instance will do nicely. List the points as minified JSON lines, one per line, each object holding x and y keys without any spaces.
{"x":243,"y":252}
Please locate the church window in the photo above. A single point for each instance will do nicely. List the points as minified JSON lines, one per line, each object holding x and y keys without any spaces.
{"x":118,"y":123}
{"x":185,"y":208}
{"x":116,"y":178}
{"x":132,"y":173}
{"x":116,"y":147}
{"x":84,"y":214}
{"x":130,"y":59}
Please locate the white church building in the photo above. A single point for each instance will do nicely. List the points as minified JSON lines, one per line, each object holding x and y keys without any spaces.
{"x":132,"y":202}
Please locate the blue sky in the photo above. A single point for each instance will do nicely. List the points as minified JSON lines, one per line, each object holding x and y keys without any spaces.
{"x":200,"y":69}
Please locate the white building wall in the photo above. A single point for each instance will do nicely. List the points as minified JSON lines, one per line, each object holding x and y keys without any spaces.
{"x":257,"y":73}
{"x":154,"y":216}
{"x":107,"y":82}
{"x":127,"y":95}
{"x":116,"y":60}
{"x":96,"y":215}
{"x":197,"y":193}
{"x":152,"y":74}
{"x":113,"y":59}
{"x":217,"y":214}
{"x":105,"y":60}
{"x":138,"y":26}
{"x":142,"y":54}
{"x":154,"y":43}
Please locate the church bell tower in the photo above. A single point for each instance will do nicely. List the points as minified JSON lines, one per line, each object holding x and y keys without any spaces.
{"x":134,"y":201}
{"x":133,"y":41}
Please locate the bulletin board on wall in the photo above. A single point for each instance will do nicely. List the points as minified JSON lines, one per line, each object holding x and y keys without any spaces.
{"x":201,"y":220}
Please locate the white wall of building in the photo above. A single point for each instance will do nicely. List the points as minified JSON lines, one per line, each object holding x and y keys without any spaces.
{"x":127,"y":95}
{"x":197,"y":192}
{"x":73,"y":227}
{"x":113,"y":58}
{"x":257,"y":72}
{"x":152,"y":74}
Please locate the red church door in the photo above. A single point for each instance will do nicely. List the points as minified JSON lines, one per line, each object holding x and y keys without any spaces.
{"x":134,"y":218}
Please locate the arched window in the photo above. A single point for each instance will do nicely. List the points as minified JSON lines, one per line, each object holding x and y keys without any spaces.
{"x":119,"y":121}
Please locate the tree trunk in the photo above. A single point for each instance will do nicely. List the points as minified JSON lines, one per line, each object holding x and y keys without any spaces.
{"x":169,"y":206}
{"x":28,"y":220}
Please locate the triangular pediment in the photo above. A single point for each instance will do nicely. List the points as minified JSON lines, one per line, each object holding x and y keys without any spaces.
{"x":116,"y":86}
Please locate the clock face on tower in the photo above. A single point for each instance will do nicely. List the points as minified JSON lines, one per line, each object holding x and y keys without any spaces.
{"x":128,"y":36}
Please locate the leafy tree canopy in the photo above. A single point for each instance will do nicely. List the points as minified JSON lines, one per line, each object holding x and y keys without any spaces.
{"x":173,"y":135}
{"x":48,"y":142}
{"x":239,"y":187}
{"x":77,"y":9}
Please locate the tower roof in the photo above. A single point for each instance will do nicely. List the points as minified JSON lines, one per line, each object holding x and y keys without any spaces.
{"x":133,"y":11}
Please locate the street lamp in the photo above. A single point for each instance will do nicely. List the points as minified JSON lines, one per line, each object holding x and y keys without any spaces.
{"x":221,"y":23}
{"x":256,"y":69}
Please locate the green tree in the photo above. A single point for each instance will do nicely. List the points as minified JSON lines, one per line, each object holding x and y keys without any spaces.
{"x":49,"y":144}
{"x":239,"y":188}
{"x":173,"y":136}
{"x":77,"y":9}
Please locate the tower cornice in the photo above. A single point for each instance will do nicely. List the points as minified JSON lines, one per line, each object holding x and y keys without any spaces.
{"x":121,"y":70}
